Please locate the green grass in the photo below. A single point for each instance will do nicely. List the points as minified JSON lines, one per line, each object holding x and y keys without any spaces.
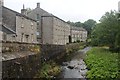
{"x":48,"y":70}
{"x":102,"y":63}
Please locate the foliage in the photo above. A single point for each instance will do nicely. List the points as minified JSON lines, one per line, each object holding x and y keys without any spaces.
{"x":102,"y":64}
{"x":117,"y":42}
{"x":88,"y":25}
{"x":106,"y":33}
{"x":48,"y":70}
{"x":82,"y":45}
{"x":35,"y":48}
{"x":78,"y":41}
{"x":70,"y":51}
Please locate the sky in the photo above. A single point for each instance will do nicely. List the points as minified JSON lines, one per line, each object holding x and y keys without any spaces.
{"x":68,"y":10}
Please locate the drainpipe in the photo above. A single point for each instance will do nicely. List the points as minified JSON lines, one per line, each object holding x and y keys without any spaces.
{"x":42,"y":29}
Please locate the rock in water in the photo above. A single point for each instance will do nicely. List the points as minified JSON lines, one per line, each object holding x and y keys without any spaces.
{"x":70,"y":67}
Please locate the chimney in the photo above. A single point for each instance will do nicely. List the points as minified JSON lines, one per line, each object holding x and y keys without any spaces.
{"x":24,"y":11}
{"x":38,"y":5}
{"x":119,"y":6}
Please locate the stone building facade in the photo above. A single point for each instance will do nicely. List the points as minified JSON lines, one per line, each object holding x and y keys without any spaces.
{"x":55,"y":30}
{"x":24,"y":28}
{"x":78,"y":34}
{"x":1,"y":35}
{"x":50,"y":29}
{"x":38,"y":26}
{"x":36,"y":15}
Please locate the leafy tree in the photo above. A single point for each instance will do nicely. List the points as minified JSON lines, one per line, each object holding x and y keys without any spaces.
{"x":89,"y":24}
{"x":78,"y":24}
{"x":107,"y":31}
{"x":71,"y":23}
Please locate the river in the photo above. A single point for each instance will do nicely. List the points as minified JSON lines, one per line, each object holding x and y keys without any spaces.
{"x":76,"y":68}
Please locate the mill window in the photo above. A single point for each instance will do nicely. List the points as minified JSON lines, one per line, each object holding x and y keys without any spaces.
{"x":31,"y":25}
{"x":38,"y":16}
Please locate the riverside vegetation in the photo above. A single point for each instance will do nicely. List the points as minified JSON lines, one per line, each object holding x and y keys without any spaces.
{"x":102,"y":64}
{"x":52,"y":68}
{"x":49,"y":70}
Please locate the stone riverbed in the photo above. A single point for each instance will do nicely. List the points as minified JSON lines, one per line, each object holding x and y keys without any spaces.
{"x":76,"y":68}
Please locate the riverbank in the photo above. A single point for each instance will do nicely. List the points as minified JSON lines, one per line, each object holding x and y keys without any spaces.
{"x":52,"y":68}
{"x":48,"y":70}
{"x":102,"y":64}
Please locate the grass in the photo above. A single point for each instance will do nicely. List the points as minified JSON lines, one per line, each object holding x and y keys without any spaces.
{"x":102,"y":64}
{"x":82,"y":45}
{"x":48,"y":70}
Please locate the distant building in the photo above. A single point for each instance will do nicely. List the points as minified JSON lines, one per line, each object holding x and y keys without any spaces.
{"x":50,"y":29}
{"x":21,"y":28}
{"x":78,"y":34}
{"x":55,"y":30}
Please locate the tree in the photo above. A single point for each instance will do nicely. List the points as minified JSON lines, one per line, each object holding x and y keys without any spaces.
{"x":89,"y":24}
{"x":78,"y":24}
{"x":107,"y":31}
{"x":71,"y":23}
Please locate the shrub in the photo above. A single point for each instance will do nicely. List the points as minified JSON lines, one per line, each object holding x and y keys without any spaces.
{"x":48,"y":70}
{"x":78,"y":41}
{"x":102,"y":64}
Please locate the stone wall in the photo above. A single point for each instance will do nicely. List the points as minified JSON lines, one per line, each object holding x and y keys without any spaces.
{"x":24,"y":67}
{"x":24,"y":62}
{"x":8,"y":46}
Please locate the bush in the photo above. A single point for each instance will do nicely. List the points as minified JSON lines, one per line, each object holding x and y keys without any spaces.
{"x":102,"y":64}
{"x":78,"y":41}
{"x":48,"y":70}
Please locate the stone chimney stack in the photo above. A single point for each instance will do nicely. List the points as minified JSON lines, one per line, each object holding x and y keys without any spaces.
{"x":24,"y":11}
{"x":38,"y":5}
{"x":119,"y":6}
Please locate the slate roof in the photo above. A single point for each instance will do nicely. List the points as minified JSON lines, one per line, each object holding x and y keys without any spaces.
{"x":19,"y":14}
{"x":47,"y":14}
{"x":7,"y":30}
{"x":56,"y":17}
{"x":77,"y":28}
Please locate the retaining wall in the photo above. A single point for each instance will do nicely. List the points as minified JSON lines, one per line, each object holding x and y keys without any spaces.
{"x":22,"y":60}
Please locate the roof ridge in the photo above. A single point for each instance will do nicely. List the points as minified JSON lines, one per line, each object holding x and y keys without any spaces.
{"x":17,"y":13}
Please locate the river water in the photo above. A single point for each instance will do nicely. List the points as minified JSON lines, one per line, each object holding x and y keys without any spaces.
{"x":76,"y":68}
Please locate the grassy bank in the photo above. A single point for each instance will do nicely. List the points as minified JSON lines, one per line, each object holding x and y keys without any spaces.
{"x":49,"y":70}
{"x":102,"y":63}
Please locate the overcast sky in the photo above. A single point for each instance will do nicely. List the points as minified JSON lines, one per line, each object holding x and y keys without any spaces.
{"x":73,"y":10}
